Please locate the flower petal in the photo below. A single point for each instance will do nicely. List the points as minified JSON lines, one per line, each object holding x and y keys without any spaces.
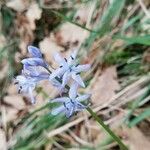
{"x":58,"y":110}
{"x":72,"y":57}
{"x":81,"y":68}
{"x":60,"y":100}
{"x":69,"y":112}
{"x":65,"y":78}
{"x":34,"y":51}
{"x":60,"y":60}
{"x":83,"y":97}
{"x":34,"y":62}
{"x":78,"y":79}
{"x":31,"y":96}
{"x":73,"y":90}
{"x":56,"y":73}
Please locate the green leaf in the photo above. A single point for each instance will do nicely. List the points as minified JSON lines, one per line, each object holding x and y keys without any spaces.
{"x":139,"y":118}
{"x":104,"y":24}
{"x":145,"y":40}
{"x":113,"y":10}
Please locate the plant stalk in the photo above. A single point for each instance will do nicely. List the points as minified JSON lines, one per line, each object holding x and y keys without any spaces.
{"x":109,"y":131}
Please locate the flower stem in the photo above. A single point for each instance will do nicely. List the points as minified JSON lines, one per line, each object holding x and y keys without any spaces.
{"x":115,"y":137}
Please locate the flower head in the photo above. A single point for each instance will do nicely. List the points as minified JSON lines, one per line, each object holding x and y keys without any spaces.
{"x":72,"y":103}
{"x":26,"y":85}
{"x":68,"y":68}
{"x":35,"y":60}
{"x":28,"y":80}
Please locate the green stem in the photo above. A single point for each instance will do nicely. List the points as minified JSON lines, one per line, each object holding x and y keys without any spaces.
{"x":115,"y":137}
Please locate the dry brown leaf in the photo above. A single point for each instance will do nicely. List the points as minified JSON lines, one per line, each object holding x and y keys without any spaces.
{"x":4,"y":70}
{"x":33,"y":13}
{"x":12,"y":89}
{"x":105,"y":86}
{"x":25,"y":32}
{"x":11,"y":114}
{"x":82,"y":14}
{"x":70,"y":35}
{"x":18,"y":5}
{"x":136,"y":139}
{"x":48,"y":46}
{"x":3,"y":143}
{"x":16,"y":101}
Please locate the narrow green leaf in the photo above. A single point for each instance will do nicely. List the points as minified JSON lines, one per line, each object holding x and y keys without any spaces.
{"x":145,"y":40}
{"x":139,"y":118}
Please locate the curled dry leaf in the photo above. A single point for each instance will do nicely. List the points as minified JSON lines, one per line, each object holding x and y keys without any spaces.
{"x":105,"y":86}
{"x":18,"y":5}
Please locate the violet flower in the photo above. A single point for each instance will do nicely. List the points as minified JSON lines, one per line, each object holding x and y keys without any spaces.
{"x":35,"y":60}
{"x":70,"y":104}
{"x":68,"y":69}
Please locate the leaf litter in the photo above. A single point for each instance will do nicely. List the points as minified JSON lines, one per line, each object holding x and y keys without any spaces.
{"x":110,"y":99}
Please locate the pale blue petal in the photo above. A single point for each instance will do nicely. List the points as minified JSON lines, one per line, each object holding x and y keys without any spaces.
{"x":83,"y":97}
{"x":60,"y":100}
{"x":60,"y":60}
{"x":56,"y":73}
{"x":34,"y":51}
{"x":73,"y":90}
{"x":34,"y":62}
{"x":81,"y":68}
{"x":72,"y":57}
{"x":69,"y":112}
{"x":78,"y":79}
{"x":31,"y":96}
{"x":65,"y":78}
{"x":58,"y":110}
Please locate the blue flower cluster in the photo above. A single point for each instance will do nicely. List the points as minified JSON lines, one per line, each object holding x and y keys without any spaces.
{"x":36,"y":69}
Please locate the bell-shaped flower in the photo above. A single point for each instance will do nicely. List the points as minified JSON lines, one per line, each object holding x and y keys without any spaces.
{"x":70,"y":104}
{"x":69,"y":69}
{"x":28,"y":80}
{"x":26,"y":85}
{"x":36,"y":58}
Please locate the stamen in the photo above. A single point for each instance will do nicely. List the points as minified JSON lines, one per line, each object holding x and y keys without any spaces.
{"x":16,"y":82}
{"x":77,"y":73}
{"x":61,"y":66}
{"x":76,"y":65}
{"x":72,"y":101}
{"x":19,"y":91}
{"x":65,"y":59}
{"x":72,"y":58}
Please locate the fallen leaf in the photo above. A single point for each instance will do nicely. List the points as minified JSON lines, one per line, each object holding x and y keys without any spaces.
{"x":70,"y":35}
{"x":3,"y":144}
{"x":33,"y":13}
{"x":104,"y":87}
{"x":136,"y":139}
{"x":18,"y":5}
{"x":16,"y":101}
{"x":11,"y":114}
{"x":48,"y":46}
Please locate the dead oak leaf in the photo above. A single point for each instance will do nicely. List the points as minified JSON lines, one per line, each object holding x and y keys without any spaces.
{"x":105,"y":86}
